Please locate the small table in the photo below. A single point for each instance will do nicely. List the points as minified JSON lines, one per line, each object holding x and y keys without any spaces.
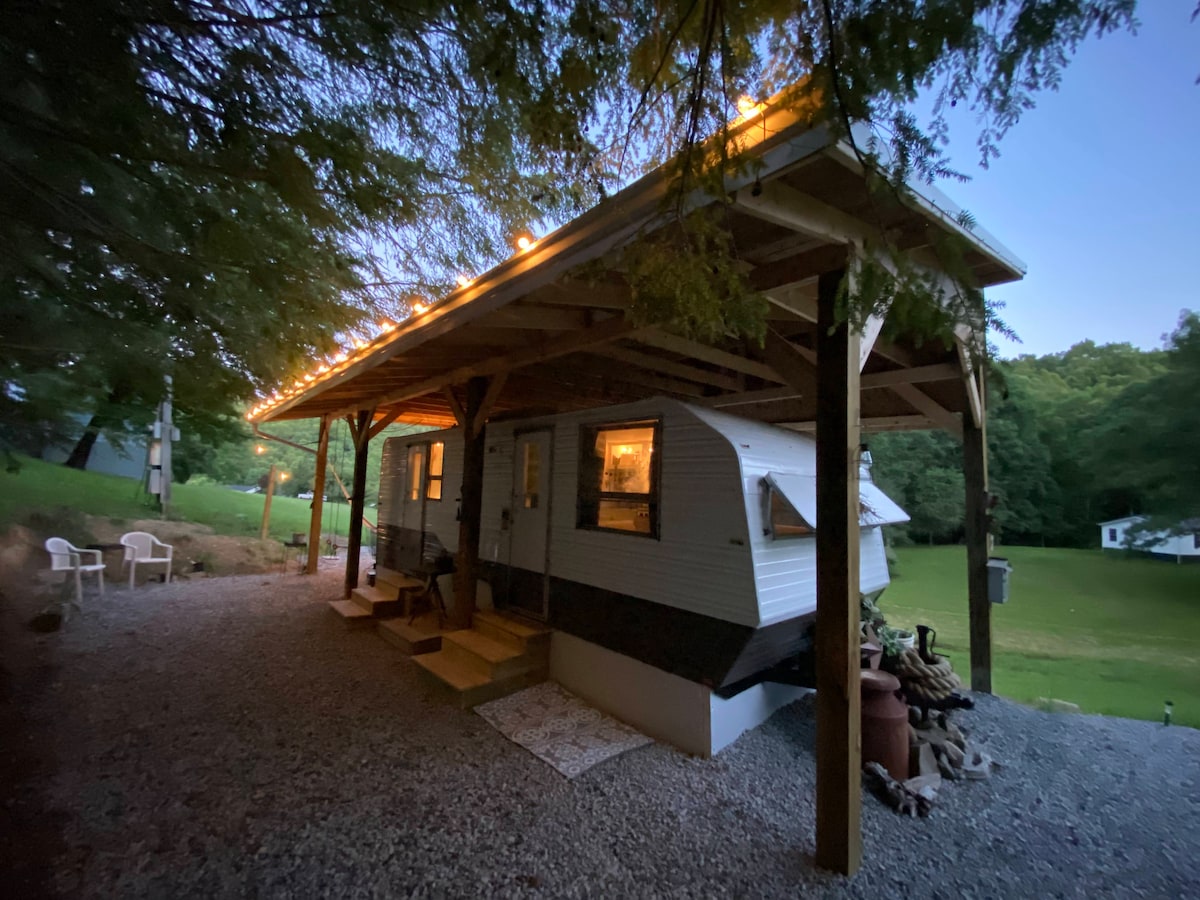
{"x":300,"y":547}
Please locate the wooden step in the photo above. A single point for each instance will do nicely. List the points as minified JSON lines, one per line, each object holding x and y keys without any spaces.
{"x":492,"y":658}
{"x":378,"y":601}
{"x":351,"y":614}
{"x":413,"y":639}
{"x":467,"y":686}
{"x":507,"y":630}
{"x":396,"y":581}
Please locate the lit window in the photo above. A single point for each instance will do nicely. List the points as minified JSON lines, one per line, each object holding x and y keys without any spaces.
{"x":619,"y":478}
{"x":531,"y":466}
{"x":436,"y":453}
{"x":416,"y":471}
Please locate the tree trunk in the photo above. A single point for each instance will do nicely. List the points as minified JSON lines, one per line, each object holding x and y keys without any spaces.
{"x":83,"y":447}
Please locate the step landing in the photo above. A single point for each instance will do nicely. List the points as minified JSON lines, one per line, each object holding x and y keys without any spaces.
{"x":351,"y":614}
{"x":423,"y":635}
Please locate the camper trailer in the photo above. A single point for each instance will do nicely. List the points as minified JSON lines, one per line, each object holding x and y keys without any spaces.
{"x":669,"y":546}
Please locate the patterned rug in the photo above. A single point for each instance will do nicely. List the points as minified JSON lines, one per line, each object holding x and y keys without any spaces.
{"x":559,"y":728}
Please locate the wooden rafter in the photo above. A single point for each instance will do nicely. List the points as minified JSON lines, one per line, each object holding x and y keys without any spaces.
{"x":926,"y":405}
{"x":704,"y":353}
{"x":495,"y":386}
{"x":795,"y":365}
{"x":540,"y":351}
{"x":667,"y":367}
{"x":455,"y":407}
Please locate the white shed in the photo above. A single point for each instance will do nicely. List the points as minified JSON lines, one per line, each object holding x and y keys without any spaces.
{"x":667,"y":542}
{"x":1182,"y":544}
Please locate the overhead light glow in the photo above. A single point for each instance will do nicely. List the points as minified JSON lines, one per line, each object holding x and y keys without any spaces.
{"x":748,"y":107}
{"x":419,"y":307}
{"x":524,"y":242}
{"x":463,"y":281}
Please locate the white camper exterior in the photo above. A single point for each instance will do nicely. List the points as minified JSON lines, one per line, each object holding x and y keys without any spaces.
{"x":674,"y":585}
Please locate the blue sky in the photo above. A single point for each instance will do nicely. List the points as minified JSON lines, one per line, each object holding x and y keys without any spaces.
{"x":1097,"y":190}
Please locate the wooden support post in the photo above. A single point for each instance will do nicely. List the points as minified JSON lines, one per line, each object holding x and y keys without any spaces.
{"x":470,"y":504}
{"x":975,"y":476}
{"x":839,"y":743}
{"x":358,"y":497}
{"x":266,"y":519}
{"x":318,"y":502}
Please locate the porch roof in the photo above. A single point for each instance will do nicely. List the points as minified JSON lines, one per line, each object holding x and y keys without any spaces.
{"x":562,"y":343}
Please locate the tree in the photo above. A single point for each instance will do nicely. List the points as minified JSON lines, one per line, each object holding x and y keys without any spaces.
{"x":220,"y":190}
{"x":1152,"y":431}
{"x":212,"y":190}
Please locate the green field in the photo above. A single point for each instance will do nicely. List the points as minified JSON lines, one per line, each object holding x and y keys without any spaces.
{"x":56,"y":493}
{"x":1114,"y":634}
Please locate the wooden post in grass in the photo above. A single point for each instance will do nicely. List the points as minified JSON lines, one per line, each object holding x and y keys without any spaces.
{"x":266,"y":519}
{"x":318,"y":501}
{"x":839,"y":742}
{"x":360,"y":430}
{"x":976,"y":528}
{"x":471,"y":501}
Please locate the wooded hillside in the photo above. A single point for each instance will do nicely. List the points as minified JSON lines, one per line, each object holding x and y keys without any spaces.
{"x":1074,"y":439}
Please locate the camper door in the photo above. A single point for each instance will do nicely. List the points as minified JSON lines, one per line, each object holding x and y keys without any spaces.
{"x":530,"y":529}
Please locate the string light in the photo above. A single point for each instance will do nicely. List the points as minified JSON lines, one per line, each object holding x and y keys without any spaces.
{"x":748,"y":107}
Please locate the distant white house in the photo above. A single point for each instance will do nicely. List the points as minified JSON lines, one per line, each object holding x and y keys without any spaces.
{"x":1184,"y":547}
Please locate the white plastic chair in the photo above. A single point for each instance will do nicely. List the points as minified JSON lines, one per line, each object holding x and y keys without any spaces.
{"x":142,"y":549}
{"x":66,"y":558}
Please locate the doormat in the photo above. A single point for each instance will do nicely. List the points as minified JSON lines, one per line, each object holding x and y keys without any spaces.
{"x":559,"y":728}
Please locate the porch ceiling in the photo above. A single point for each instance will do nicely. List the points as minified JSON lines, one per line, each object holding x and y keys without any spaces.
{"x":563,"y":344}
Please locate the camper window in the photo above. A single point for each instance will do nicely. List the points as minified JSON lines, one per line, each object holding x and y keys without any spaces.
{"x":436,"y":452}
{"x":618,"y":477}
{"x":416,"y":471}
{"x":784,"y":521}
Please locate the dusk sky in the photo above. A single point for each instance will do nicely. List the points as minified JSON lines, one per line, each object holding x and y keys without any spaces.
{"x":1097,"y":190}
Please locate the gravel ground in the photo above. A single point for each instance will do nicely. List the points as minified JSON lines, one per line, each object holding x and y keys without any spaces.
{"x":229,"y":738}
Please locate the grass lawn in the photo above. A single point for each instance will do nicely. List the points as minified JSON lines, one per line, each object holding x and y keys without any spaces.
{"x":56,"y":493}
{"x":1115,"y":635}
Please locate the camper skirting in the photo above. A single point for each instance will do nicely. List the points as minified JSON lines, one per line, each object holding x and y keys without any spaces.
{"x":664,"y":706}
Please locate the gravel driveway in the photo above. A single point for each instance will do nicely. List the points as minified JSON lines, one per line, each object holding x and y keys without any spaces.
{"x":229,"y":738}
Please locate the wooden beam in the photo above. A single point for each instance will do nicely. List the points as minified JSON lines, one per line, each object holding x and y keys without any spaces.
{"x":318,"y":502}
{"x":455,"y":407}
{"x":976,"y":521}
{"x":704,"y":353}
{"x":358,"y":497}
{"x":766,"y":395}
{"x":602,"y":367}
{"x":668,"y":367}
{"x":916,"y":375}
{"x":388,"y":418}
{"x":779,"y":204}
{"x":543,"y":318}
{"x":494,"y":386}
{"x":794,"y":365}
{"x":926,"y":405}
{"x":470,"y":506}
{"x":839,"y":742}
{"x":871,"y":425}
{"x":970,"y":378}
{"x":539,"y":351}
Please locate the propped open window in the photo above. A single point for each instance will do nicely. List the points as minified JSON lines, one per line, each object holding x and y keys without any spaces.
{"x":790,"y":505}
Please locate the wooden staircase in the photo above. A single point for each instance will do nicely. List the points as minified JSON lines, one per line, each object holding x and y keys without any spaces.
{"x":368,"y":604}
{"x":498,"y":655}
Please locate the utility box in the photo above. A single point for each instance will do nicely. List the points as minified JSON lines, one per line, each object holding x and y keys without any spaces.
{"x":998,"y":572}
